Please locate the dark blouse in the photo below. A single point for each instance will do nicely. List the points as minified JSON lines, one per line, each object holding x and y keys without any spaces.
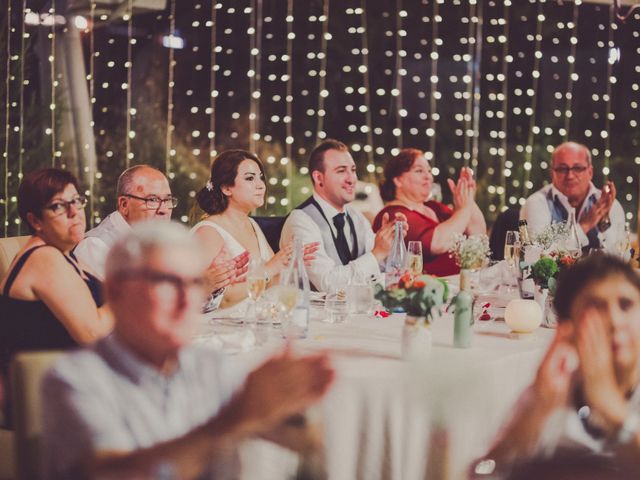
{"x":29,"y":324}
{"x":421,"y":228}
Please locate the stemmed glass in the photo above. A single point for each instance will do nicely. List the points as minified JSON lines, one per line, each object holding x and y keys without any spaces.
{"x":512,"y":255}
{"x":414,"y":257}
{"x":256,"y":283}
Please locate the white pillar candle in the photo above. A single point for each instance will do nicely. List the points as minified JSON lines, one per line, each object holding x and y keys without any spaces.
{"x":523,"y":316}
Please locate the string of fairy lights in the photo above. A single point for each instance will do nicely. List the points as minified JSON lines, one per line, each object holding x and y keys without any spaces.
{"x":455,"y":80}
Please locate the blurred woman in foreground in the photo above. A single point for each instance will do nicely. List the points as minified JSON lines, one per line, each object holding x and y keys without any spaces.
{"x":585,"y":397}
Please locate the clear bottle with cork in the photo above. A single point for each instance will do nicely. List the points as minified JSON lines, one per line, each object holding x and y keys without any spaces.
{"x":394,"y":266}
{"x":572,"y":244}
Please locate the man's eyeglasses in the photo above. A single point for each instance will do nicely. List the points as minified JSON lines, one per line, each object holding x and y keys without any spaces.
{"x":159,"y":278}
{"x":155,"y":203}
{"x":61,"y":206}
{"x":577,"y":169}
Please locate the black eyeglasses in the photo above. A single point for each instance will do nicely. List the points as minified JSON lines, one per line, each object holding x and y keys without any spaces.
{"x":159,"y":278}
{"x":155,"y":203}
{"x":577,"y":169}
{"x":63,"y":206}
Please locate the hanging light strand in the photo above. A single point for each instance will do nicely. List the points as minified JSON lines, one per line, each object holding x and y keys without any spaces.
{"x":7,"y":129}
{"x":608,"y":114}
{"x":535,"y":74}
{"x":212,"y":86}
{"x":433,"y":101}
{"x":252,"y":75}
{"x":474,"y":72}
{"x":255,"y":61}
{"x":505,"y":108}
{"x":323,"y":68}
{"x":572,"y":69}
{"x":128,"y":154}
{"x":92,"y":99}
{"x":170,"y":85}
{"x":23,"y":48}
{"x":398,"y":77}
{"x":367,"y":86}
{"x":52,"y":72}
{"x":289,"y":98}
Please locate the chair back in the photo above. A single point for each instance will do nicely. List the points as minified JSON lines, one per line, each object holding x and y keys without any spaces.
{"x":507,"y":220}
{"x":27,"y":371}
{"x":7,"y":467}
{"x":9,"y":247}
{"x":272,"y":228}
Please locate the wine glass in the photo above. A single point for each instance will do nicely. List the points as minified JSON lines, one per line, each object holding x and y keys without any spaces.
{"x":414,"y":257}
{"x":256,"y":284}
{"x":512,"y":254}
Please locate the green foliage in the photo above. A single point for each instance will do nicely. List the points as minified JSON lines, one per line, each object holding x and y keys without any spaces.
{"x":544,"y":270}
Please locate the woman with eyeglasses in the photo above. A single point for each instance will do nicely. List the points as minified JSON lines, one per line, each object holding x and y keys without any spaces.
{"x":49,"y":301}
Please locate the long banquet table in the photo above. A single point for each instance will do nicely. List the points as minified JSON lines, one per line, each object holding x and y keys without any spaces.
{"x":384,"y":415}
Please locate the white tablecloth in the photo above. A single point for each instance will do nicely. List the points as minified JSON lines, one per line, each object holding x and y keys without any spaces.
{"x":383,"y":415}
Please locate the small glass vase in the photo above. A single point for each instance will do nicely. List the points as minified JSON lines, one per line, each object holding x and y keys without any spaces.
{"x":417,"y":340}
{"x":549,"y":316}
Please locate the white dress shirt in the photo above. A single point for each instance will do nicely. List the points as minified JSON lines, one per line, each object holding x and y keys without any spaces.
{"x":94,"y":247}
{"x":538,"y":216}
{"x":301,"y":225}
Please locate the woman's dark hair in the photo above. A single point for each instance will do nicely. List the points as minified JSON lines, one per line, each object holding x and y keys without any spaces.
{"x":576,"y":278}
{"x":224,"y":170}
{"x":395,"y":167}
{"x":38,"y":188}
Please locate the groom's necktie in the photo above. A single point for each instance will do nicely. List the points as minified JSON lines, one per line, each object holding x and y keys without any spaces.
{"x":341,"y":242}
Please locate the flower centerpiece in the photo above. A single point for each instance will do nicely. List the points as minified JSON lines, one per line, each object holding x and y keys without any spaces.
{"x":470,"y":253}
{"x":422,"y":297}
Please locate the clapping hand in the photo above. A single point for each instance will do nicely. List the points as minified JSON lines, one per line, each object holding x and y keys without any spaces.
{"x":554,"y":378}
{"x":600,"y":209}
{"x":464,"y":190}
{"x":283,"y":386}
{"x":601,"y":389}
{"x":224,"y":271}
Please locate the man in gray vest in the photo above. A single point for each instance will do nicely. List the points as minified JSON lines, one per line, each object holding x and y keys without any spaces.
{"x":599,"y":214}
{"x":347,"y":243}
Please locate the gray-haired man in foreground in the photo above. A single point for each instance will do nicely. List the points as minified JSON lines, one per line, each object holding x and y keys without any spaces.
{"x":144,"y":402}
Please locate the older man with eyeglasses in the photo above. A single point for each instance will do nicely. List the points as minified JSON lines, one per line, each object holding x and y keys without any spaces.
{"x":146,"y":402}
{"x":144,"y":194}
{"x":599,"y":214}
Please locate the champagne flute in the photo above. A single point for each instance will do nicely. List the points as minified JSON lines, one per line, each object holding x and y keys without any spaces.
{"x":256,"y":284}
{"x":256,"y":279}
{"x":414,"y":257}
{"x":512,"y":253}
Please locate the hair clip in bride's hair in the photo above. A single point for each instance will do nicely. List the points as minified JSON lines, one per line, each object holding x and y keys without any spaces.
{"x":209,"y":185}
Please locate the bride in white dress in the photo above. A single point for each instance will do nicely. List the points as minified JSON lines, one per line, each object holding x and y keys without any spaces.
{"x":236,"y":188}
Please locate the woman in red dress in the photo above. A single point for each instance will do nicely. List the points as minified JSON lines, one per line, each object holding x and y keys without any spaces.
{"x":406,"y":189}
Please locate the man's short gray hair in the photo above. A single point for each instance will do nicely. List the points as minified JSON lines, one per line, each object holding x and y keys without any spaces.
{"x":126,"y":178}
{"x":571,"y":145}
{"x":129,"y":253}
